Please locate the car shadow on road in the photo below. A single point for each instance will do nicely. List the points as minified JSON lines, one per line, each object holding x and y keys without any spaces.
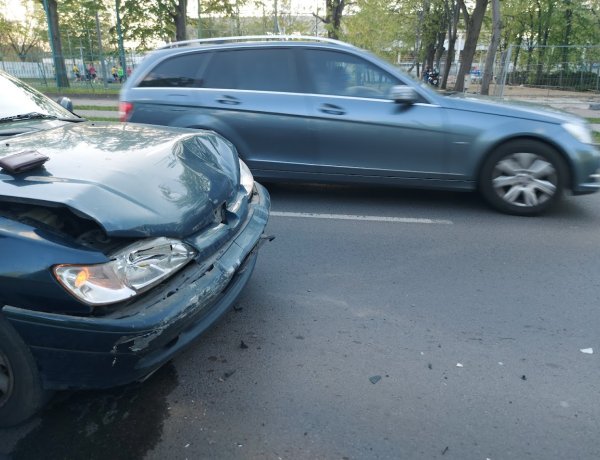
{"x":378,"y":198}
{"x":122,"y":423}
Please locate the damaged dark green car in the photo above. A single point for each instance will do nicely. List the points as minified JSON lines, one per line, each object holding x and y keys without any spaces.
{"x":120,"y":243}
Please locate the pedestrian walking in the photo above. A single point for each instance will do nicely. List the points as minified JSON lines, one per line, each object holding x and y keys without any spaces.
{"x":76,"y":72}
{"x":92,"y":71}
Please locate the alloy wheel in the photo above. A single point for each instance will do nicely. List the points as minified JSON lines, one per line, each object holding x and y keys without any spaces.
{"x":525,"y":179}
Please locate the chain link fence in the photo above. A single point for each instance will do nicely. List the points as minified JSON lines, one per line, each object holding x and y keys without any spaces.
{"x":541,"y":71}
{"x":90,"y":71}
{"x":538,"y":71}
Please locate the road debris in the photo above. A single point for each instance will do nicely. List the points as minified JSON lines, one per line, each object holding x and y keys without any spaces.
{"x":445,"y":450}
{"x":523,"y":377}
{"x":459,"y":365}
{"x":587,"y":351}
{"x":226,"y":375}
{"x":375,"y":379}
{"x":243,"y":346}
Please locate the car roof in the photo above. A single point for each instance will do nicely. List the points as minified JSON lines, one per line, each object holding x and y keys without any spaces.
{"x":262,"y":40}
{"x":206,"y":44}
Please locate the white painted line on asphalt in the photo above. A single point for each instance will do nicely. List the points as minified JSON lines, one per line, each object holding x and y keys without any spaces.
{"x":399,"y":220}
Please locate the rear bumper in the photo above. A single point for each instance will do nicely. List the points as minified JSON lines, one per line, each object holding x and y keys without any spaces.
{"x":127,"y":345}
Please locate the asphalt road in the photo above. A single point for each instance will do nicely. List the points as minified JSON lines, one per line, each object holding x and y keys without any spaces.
{"x":433,"y":328}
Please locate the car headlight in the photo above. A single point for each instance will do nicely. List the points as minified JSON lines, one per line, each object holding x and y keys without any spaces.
{"x":579,"y":132}
{"x":246,"y":178}
{"x":131,"y":271}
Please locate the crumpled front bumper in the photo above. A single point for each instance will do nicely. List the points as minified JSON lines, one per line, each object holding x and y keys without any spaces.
{"x":130,"y":343}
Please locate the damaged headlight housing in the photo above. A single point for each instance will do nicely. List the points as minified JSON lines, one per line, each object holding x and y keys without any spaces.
{"x":131,"y":271}
{"x":246,"y":178}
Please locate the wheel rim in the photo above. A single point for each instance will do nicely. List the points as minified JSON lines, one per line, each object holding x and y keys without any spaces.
{"x":6,"y":379}
{"x":525,"y":179}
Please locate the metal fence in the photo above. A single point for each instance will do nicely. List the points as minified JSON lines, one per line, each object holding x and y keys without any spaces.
{"x":542,"y":71}
{"x":536,"y":71}
{"x":91,"y":71}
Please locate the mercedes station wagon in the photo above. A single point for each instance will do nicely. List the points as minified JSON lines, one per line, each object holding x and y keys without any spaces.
{"x":318,"y":110}
{"x":120,"y":244}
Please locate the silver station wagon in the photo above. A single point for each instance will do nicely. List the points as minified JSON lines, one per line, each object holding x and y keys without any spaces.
{"x":318,"y":110}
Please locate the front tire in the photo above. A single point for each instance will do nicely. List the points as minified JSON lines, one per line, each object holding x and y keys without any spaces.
{"x":21,"y":392}
{"x":523,"y":177}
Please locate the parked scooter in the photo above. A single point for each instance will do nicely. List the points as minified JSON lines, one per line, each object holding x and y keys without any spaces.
{"x":432,"y":77}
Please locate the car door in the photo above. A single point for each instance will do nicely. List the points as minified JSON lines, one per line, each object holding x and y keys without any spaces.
{"x":360,"y":130}
{"x":255,"y":92}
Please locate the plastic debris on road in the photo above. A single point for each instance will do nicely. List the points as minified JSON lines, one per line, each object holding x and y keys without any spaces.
{"x":587,"y":351}
{"x":375,"y":379}
{"x":459,"y":365}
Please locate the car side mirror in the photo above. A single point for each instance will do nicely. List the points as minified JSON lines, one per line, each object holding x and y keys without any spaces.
{"x":66,"y":103}
{"x":402,"y":94}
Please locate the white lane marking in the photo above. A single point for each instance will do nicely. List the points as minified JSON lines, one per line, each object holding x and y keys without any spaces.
{"x":400,"y":220}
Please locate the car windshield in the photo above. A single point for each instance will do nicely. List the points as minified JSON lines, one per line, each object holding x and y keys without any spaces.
{"x":20,"y":101}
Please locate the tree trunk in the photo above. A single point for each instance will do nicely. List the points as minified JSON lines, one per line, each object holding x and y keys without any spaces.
{"x":567,"y":38}
{"x":180,"y":17}
{"x":453,"y":16}
{"x":333,"y":18}
{"x":473,"y":28}
{"x":62,"y":79}
{"x":543,"y":42}
{"x":439,"y":49}
{"x":491,"y":55}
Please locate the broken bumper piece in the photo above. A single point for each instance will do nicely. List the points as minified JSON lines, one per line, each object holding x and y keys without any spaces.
{"x":131,"y":343}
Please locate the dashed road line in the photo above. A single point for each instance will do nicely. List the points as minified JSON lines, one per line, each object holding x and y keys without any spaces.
{"x":399,"y":220}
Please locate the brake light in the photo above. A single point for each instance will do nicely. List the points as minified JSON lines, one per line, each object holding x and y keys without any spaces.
{"x":125,"y":109}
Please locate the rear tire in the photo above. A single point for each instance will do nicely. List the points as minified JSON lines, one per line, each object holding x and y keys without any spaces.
{"x":523,"y":177}
{"x":21,"y":392}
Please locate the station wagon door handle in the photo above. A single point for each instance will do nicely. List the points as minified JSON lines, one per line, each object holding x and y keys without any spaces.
{"x":229,"y":100}
{"x":332,"y":109}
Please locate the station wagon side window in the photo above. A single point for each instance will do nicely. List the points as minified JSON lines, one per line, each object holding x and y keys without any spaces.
{"x":271,"y":69}
{"x":183,"y":71}
{"x":342,"y":74}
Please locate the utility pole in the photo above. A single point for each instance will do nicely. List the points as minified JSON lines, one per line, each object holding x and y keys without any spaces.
{"x":51,"y":38}
{"x":199,"y":19}
{"x":120,"y":39}
{"x":101,"y":52}
{"x":275,"y":19}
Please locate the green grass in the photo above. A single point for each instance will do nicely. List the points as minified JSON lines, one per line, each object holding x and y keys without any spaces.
{"x":76,"y":88}
{"x":597,"y":138}
{"x":593,"y":120}
{"x":102,"y":118}
{"x":106,"y":108}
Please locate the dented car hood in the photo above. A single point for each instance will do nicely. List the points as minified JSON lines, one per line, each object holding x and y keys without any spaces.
{"x":133,"y":180}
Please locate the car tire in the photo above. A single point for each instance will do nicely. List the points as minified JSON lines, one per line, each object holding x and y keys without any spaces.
{"x":523,"y":177}
{"x":21,"y":392}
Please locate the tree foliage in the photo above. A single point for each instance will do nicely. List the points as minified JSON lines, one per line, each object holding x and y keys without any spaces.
{"x":420,"y":32}
{"x":21,"y":37}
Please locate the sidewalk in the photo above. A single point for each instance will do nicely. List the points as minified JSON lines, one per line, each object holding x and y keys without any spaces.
{"x":100,"y":102}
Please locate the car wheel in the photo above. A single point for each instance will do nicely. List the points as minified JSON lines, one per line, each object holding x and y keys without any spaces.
{"x":523,"y":177}
{"x":21,"y":392}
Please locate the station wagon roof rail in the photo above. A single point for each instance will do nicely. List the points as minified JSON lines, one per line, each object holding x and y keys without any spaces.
{"x":248,"y":38}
